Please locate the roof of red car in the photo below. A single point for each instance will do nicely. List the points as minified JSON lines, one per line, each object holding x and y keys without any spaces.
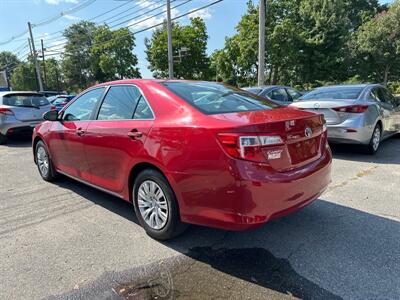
{"x":127,"y":81}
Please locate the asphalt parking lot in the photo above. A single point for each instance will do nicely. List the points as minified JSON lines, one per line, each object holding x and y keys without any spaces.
{"x":64,"y":240}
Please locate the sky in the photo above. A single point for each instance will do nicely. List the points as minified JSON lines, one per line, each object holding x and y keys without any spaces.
{"x":56,"y":15}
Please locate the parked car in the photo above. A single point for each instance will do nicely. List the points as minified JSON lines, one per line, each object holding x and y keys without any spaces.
{"x":60,"y":101}
{"x":187,"y":152}
{"x":20,"y":112}
{"x":284,"y":95}
{"x":355,"y":114}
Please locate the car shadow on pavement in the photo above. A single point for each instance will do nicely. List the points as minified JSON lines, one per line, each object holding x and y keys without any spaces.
{"x":23,"y":141}
{"x":325,"y":251}
{"x":388,"y":153}
{"x":109,"y":202}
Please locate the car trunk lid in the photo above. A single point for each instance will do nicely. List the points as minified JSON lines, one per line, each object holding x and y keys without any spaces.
{"x":326,"y":107}
{"x":302,"y":135}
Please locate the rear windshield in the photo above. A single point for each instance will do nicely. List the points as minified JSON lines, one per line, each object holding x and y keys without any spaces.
{"x":329,"y":93}
{"x":25,"y":100}
{"x":216,"y":98}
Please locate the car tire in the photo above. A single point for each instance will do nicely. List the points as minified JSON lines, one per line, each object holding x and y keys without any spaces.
{"x":156,"y":206}
{"x":3,"y":139}
{"x":44,"y":163}
{"x":375,"y":140}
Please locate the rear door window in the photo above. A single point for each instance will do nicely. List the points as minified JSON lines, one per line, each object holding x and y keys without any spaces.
{"x":388,"y":96}
{"x":25,"y":100}
{"x":120,"y":103}
{"x":143,"y":110}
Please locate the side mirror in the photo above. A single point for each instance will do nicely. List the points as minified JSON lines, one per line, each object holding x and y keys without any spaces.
{"x":51,"y":115}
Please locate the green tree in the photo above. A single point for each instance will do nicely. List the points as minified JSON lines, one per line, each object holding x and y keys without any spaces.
{"x":54,"y":80}
{"x":23,"y":78}
{"x":376,"y":46}
{"x":114,"y":52}
{"x":191,"y":64}
{"x":236,"y":63}
{"x":80,"y":68}
{"x":8,"y":62}
{"x":360,"y":11}
{"x":324,"y":30}
{"x":306,"y":42}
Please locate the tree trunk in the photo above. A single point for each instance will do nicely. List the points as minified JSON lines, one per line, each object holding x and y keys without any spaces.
{"x":386,"y":75}
{"x":271,"y":69}
{"x":275,"y":77}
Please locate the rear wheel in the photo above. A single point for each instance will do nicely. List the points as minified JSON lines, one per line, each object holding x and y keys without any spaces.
{"x":44,"y":163}
{"x":156,"y":206}
{"x":3,"y":139}
{"x":375,"y":141}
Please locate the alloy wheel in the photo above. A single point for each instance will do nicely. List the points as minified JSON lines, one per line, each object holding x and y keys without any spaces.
{"x":42,"y":161}
{"x":152,"y":204}
{"x":376,"y":139}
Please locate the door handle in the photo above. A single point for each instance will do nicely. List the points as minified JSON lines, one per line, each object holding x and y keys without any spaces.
{"x":80,"y":131}
{"x":135,"y":134}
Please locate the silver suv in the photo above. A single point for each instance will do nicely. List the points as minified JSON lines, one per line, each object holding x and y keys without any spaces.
{"x":20,"y":112}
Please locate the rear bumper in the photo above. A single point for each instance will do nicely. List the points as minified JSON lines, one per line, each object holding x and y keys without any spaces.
{"x":349,"y":134}
{"x":257,"y":195}
{"x":11,"y":128}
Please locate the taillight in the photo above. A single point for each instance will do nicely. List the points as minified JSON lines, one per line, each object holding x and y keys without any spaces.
{"x":6,"y":111}
{"x":352,"y":108}
{"x":248,"y":147}
{"x":53,"y":107}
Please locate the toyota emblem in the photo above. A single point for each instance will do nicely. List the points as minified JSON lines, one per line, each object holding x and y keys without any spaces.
{"x":308,"y":132}
{"x":316,"y":106}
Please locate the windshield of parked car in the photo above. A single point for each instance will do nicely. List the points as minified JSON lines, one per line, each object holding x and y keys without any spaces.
{"x":329,"y":93}
{"x":217,"y":98}
{"x":25,"y":100}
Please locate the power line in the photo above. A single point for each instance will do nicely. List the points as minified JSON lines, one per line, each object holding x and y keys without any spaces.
{"x":91,"y":19}
{"x":156,"y":25}
{"x":143,"y":14}
{"x":136,"y":23}
{"x":50,"y":20}
{"x":61,"y":37}
{"x":139,"y":4}
{"x":106,"y":12}
{"x":65,"y":12}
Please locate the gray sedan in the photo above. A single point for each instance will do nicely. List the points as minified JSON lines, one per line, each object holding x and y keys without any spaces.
{"x":20,"y":112}
{"x":355,"y":114}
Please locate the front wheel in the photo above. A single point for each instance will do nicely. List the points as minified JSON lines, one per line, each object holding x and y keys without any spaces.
{"x":44,"y":162}
{"x":375,"y":141}
{"x":156,"y":206}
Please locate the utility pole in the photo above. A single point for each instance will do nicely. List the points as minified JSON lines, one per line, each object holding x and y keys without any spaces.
{"x":169,"y":32}
{"x":261,"y":43}
{"x":34,"y":73}
{"x":44,"y":64}
{"x":37,"y":67}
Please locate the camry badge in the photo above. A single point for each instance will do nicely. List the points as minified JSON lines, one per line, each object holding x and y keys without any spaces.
{"x":308,"y":132}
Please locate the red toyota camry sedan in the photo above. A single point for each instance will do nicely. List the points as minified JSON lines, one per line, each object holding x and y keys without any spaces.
{"x":187,"y":152}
